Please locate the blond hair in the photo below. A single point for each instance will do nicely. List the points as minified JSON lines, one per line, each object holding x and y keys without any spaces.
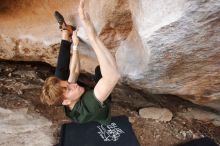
{"x":52,"y":91}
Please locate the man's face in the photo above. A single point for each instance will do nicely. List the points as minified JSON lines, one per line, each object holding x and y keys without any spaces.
{"x":71,"y":91}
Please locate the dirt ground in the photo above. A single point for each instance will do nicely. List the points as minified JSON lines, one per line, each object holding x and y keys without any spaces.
{"x":20,"y":86}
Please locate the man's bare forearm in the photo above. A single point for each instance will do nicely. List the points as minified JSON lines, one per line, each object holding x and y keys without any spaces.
{"x":106,"y":60}
{"x":74,"y":67}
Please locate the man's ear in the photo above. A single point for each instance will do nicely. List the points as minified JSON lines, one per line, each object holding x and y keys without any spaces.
{"x":66,"y":102}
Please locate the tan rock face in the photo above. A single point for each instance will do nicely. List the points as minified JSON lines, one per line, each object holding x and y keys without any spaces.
{"x":176,"y":51}
{"x":161,"y":46}
{"x":200,"y":115}
{"x":118,"y":25}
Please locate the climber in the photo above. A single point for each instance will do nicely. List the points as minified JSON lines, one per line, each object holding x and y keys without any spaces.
{"x":81,"y":104}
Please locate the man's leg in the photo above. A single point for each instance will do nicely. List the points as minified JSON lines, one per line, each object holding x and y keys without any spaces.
{"x":62,"y":69}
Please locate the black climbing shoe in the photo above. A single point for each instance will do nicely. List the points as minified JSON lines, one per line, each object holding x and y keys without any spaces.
{"x":61,"y":21}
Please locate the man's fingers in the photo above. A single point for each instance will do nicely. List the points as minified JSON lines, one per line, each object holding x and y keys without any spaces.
{"x":76,"y":31}
{"x":81,"y":9}
{"x":81,"y":4}
{"x":74,"y":35}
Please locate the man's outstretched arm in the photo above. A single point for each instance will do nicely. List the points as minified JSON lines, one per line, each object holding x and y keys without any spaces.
{"x":110,"y":74}
{"x":74,"y":65}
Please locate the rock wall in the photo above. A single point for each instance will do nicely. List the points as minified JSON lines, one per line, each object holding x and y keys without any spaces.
{"x":161,"y":46}
{"x":183,"y":48}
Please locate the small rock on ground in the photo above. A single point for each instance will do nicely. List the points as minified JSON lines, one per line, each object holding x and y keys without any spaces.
{"x":160,"y":114}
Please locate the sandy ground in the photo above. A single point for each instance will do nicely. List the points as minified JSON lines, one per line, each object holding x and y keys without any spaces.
{"x":20,"y":85}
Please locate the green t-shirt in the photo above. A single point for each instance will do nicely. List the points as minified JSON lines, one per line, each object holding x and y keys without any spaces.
{"x":88,"y":108}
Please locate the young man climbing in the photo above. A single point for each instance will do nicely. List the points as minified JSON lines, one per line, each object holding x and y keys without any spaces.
{"x":82,"y":105}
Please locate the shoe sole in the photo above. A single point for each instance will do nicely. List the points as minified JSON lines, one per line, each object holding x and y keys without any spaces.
{"x":60,"y":19}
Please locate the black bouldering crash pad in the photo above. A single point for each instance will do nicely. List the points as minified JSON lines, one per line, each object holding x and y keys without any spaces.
{"x":118,"y":133}
{"x":206,"y":141}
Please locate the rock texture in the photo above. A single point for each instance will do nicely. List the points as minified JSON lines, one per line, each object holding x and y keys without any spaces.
{"x":20,"y":85}
{"x":201,"y":115}
{"x":19,"y":128}
{"x":182,"y":49}
{"x":161,"y":46}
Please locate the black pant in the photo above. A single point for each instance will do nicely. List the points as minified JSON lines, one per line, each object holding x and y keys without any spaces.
{"x":62,"y":69}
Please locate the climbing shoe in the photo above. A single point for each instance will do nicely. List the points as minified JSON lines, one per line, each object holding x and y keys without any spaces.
{"x":62,"y":23}
{"x":60,"y":20}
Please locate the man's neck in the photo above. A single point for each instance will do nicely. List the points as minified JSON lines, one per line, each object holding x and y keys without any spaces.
{"x":71,"y":105}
